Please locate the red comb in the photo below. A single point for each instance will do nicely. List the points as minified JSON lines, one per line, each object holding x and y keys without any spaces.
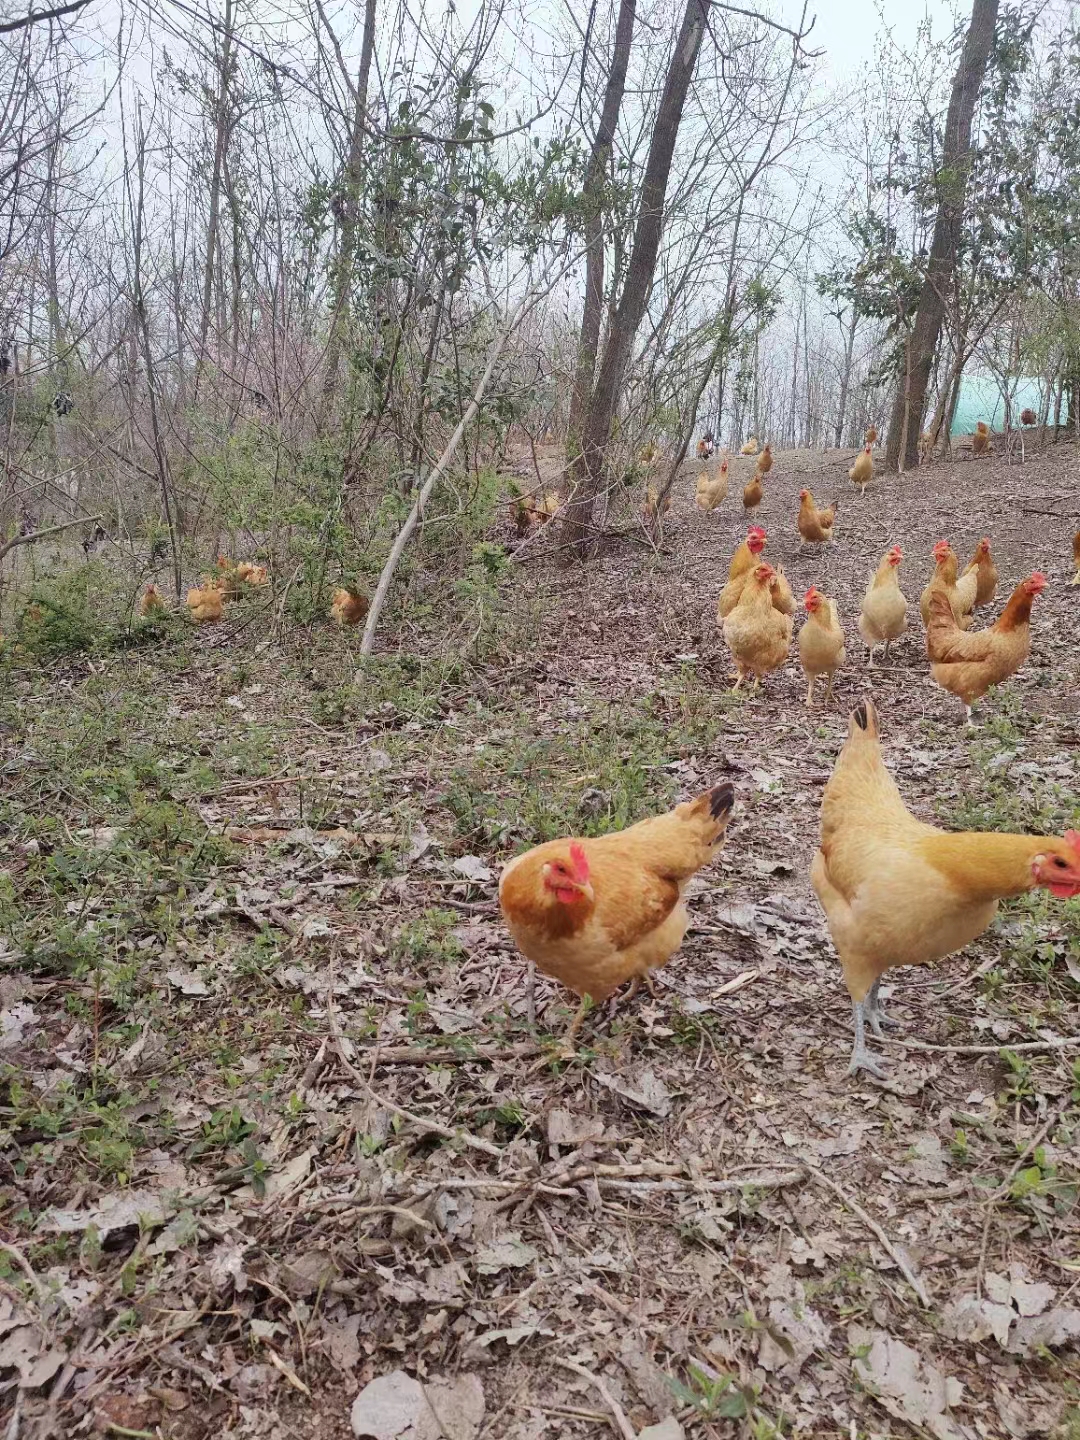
{"x":1072,"y":838}
{"x":579,"y":862}
{"x":1038,"y":577}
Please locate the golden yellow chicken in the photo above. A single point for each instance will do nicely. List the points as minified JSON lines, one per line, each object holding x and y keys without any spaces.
{"x":980,"y":441}
{"x":1076,"y":559}
{"x":547,"y":507}
{"x":347,"y":606}
{"x":986,"y":578}
{"x":151,"y":602}
{"x":765,"y":459}
{"x":525,"y":516}
{"x":710,"y":493}
{"x":862,"y":472}
{"x":742,"y":562}
{"x":751,"y":447}
{"x":898,"y":892}
{"x":597,"y":912}
{"x":254,"y":575}
{"x":780,"y":592}
{"x":884,"y":610}
{"x":206,"y":603}
{"x":654,"y":508}
{"x":821,"y":642}
{"x":870,"y":438}
{"x":757,"y":634}
{"x":752,"y":492}
{"x":968,"y":663}
{"x":961,"y":591}
{"x":815,"y":526}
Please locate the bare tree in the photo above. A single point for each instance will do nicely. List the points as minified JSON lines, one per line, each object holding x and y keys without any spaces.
{"x":905,"y":426}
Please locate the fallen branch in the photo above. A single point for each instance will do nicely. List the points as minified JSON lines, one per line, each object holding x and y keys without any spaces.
{"x":1028,"y":1046}
{"x":875,"y":1229}
{"x":445,"y":1055}
{"x":625,"y":1429}
{"x":36,"y":535}
{"x":382,"y":589}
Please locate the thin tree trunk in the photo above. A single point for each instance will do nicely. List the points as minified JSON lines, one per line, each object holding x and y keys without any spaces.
{"x":596,"y":429}
{"x":213,"y":224}
{"x":902,"y":452}
{"x":845,"y":379}
{"x":595,"y":176}
{"x":350,"y":214}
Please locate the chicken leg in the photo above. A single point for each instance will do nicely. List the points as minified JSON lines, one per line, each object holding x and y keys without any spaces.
{"x":810,"y":691}
{"x":876,"y":1016}
{"x":861,"y":1059}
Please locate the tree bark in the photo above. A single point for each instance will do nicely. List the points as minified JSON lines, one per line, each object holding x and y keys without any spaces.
{"x":213,"y":224}
{"x":589,"y":337}
{"x":350,"y":211}
{"x":588,"y":472}
{"x":905,"y":426}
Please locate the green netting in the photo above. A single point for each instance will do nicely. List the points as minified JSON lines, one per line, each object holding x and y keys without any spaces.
{"x":981,"y":398}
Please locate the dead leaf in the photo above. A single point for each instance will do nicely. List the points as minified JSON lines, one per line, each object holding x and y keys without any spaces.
{"x":420,"y":842}
{"x":341,"y":1341}
{"x":795,"y":1326}
{"x":564,"y":1128}
{"x":508,"y":1253}
{"x":905,"y":1385}
{"x":668,"y":1429}
{"x":648,"y":1092}
{"x":474,"y":869}
{"x":398,"y":1407}
{"x":26,"y":1350}
{"x":187,"y":982}
{"x":118,"y":1211}
{"x":972,"y":1319}
{"x":1056,"y":1327}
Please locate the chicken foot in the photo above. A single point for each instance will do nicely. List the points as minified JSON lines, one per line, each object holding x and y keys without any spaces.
{"x":876,"y":1016}
{"x":861,"y":1059}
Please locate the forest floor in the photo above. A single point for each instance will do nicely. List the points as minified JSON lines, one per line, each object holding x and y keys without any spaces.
{"x":275,"y":1133}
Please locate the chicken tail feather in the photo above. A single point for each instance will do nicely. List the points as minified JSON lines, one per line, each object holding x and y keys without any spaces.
{"x":865,"y":717}
{"x":721,"y":800}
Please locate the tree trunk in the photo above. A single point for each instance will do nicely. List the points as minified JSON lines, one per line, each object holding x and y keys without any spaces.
{"x":845,"y":378}
{"x":221,"y":140}
{"x":589,"y":337}
{"x":588,"y":471}
{"x":350,"y":209}
{"x":902,"y":452}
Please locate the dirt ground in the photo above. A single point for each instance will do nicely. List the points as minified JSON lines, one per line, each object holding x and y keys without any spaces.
{"x":281,"y":1155}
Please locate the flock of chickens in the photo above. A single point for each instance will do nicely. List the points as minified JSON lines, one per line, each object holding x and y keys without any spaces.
{"x":206,"y":601}
{"x":595,"y":912}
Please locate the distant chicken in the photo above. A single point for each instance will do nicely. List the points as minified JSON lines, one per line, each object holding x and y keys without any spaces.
{"x":862,"y":472}
{"x":821,"y":642}
{"x":751,"y":447}
{"x":648,"y":453}
{"x":764,"y":460}
{"x":1076,"y":559}
{"x":654,"y":508}
{"x":347,"y":606}
{"x":815,"y":526}
{"x":597,"y":912}
{"x":742,"y":562}
{"x":926,"y":447}
{"x":961,"y":592}
{"x":710,"y":493}
{"x":206,"y":603}
{"x":547,"y":507}
{"x":980,"y":441}
{"x":752,"y":492}
{"x":254,"y":575}
{"x":982,"y":562}
{"x":151,"y":602}
{"x":524,"y":513}
{"x":1028,"y":417}
{"x":968,"y":663}
{"x":884,"y":609}
{"x":896,"y":891}
{"x":705,"y":446}
{"x":870,"y":438}
{"x":757,"y":634}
